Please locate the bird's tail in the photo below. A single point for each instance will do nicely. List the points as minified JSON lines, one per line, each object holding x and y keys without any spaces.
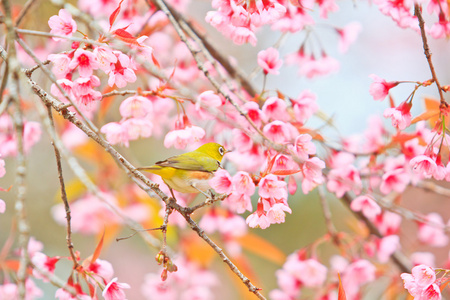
{"x":151,"y":169}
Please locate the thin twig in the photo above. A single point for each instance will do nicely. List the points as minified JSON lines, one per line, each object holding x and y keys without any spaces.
{"x":211,"y":50}
{"x":63,"y":193}
{"x":426,"y":50}
{"x":24,"y":11}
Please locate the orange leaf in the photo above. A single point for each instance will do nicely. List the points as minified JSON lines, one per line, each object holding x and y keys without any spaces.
{"x":98,"y":249}
{"x":341,"y":293}
{"x":432,"y":105}
{"x":259,"y":246}
{"x":402,"y":137}
{"x":155,"y":61}
{"x":391,"y":101}
{"x":113,"y":16}
{"x":426,"y":115}
{"x":285,"y":172}
{"x":12,"y":265}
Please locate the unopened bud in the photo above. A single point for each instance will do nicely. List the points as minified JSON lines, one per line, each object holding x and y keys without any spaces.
{"x":171,"y":267}
{"x":160,"y":258}
{"x":164,"y":275}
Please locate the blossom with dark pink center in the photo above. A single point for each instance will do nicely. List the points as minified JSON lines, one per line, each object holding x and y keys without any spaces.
{"x":269,"y":60}
{"x":221,"y":182}
{"x":401,"y":115}
{"x":85,"y":61}
{"x":379,"y":88}
{"x":424,"y":165}
{"x":62,"y":24}
{"x":366,"y":205}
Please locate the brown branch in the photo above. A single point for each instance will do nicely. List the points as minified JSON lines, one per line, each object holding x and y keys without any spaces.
{"x":398,"y":257}
{"x":63,"y":193}
{"x":253,"y":289}
{"x":14,"y":95}
{"x":48,"y":100}
{"x":232,"y":71}
{"x":427,"y":52}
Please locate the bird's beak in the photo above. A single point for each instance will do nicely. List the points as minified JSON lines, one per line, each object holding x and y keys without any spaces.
{"x":226,"y":151}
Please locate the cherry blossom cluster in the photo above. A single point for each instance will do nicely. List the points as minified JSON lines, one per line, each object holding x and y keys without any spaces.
{"x":402,"y":12}
{"x":301,"y":274}
{"x":97,"y":273}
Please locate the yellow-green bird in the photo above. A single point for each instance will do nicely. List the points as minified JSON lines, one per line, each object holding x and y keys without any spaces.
{"x":191,"y":171}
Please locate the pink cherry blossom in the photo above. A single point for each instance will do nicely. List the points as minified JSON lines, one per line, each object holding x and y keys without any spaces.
{"x":379,"y":88}
{"x":62,"y":24}
{"x":241,"y":141}
{"x":305,"y":105}
{"x":136,"y":128}
{"x":136,"y":107}
{"x":45,"y":263}
{"x":275,"y":108}
{"x":395,"y":180}
{"x":221,"y":182}
{"x":114,"y":290}
{"x":432,"y":233}
{"x":238,"y":202}
{"x":259,"y":218}
{"x":243,"y":183}
{"x":348,"y":35}
{"x":84,"y":85}
{"x":85,"y":61}
{"x":400,"y":115}
{"x":182,"y":137}
{"x":277,"y":131}
{"x":276,"y":213}
{"x":115,"y":133}
{"x":60,"y":64}
{"x":421,"y":283}
{"x":233,"y":225}
{"x":121,"y":72}
{"x":208,"y":98}
{"x":31,"y":134}
{"x":105,"y":58}
{"x":343,"y":180}
{"x":424,"y":165}
{"x":101,"y":268}
{"x":386,"y":246}
{"x":270,"y":186}
{"x":309,"y":272}
{"x":269,"y":60}
{"x":366,"y":205}
{"x":303,"y":146}
{"x":312,"y":172}
{"x":388,"y":222}
{"x":254,"y":113}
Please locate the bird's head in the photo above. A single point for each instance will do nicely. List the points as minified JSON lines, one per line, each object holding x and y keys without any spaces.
{"x":214,"y":150}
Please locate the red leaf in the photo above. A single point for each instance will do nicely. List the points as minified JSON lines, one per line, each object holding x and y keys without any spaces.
{"x":285,"y":172}
{"x":341,"y":293}
{"x":270,"y":164}
{"x":125,"y":36}
{"x":98,"y":249}
{"x":113,"y":16}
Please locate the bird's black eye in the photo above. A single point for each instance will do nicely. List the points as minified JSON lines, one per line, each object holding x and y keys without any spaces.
{"x":221,"y":151}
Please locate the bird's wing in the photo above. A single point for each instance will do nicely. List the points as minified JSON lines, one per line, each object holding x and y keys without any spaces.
{"x":197,"y":163}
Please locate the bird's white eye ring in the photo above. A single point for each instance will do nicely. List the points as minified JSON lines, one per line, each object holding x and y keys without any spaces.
{"x":221,"y":151}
